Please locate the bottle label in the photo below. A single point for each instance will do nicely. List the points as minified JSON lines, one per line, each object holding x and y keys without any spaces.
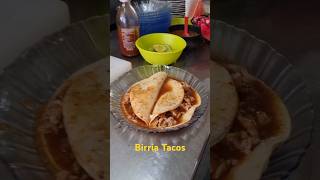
{"x":128,"y":37}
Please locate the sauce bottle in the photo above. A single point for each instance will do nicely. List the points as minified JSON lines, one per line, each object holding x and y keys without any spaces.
{"x":128,"y":28}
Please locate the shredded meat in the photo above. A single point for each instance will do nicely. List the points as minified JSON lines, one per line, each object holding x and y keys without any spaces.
{"x":249,"y":125}
{"x":244,"y":136}
{"x":171,"y":118}
{"x":165,"y":120}
{"x":176,"y":114}
{"x":239,"y":141}
{"x":262,"y":118}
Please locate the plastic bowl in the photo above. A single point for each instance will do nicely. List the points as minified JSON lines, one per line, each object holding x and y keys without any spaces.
{"x":145,"y":42}
{"x":154,"y":22}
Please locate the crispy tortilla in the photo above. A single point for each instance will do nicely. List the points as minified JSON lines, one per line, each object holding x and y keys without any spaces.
{"x":250,"y":165}
{"x":84,"y":116}
{"x":162,"y":101}
{"x":170,"y":98}
{"x":144,"y":94}
{"x":225,"y":103}
{"x":188,"y":115}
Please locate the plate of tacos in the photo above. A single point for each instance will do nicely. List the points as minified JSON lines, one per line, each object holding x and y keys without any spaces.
{"x":158,"y":98}
{"x":262,"y":116}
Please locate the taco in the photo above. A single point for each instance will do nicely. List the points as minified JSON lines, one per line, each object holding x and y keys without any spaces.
{"x":72,"y":127}
{"x":84,"y":117}
{"x":160,"y":102}
{"x":226,"y":102}
{"x":262,"y":122}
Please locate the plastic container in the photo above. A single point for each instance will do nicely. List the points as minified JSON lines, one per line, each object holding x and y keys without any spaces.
{"x":155,"y":21}
{"x":128,"y":28}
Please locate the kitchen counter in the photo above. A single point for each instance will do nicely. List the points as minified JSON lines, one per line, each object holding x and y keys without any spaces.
{"x":163,"y":165}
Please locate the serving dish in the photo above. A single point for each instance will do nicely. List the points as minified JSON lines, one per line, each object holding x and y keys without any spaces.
{"x":176,"y":44}
{"x":28,"y":83}
{"x":119,"y":87}
{"x":237,"y":46}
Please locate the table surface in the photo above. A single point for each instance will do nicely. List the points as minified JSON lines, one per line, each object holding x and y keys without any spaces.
{"x":162,"y":165}
{"x":292,"y":28}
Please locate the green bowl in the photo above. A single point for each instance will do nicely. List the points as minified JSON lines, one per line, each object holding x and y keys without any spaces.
{"x":145,"y":43}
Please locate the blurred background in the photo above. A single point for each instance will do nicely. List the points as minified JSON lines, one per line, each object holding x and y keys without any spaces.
{"x":24,"y":23}
{"x":291,"y":27}
{"x":82,"y":9}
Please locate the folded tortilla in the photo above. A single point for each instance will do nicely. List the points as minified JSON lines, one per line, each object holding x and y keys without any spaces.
{"x":169,"y":99}
{"x":225,"y":103}
{"x":144,"y":94}
{"x":252,"y":165}
{"x":161,"y":101}
{"x":188,"y":114}
{"x":165,"y":105}
{"x":84,"y":112}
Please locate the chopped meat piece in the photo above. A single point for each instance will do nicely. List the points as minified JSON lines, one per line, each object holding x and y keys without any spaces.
{"x":176,"y":114}
{"x":189,"y":99}
{"x":185,"y":106}
{"x":240,"y":141}
{"x":262,"y":118}
{"x":247,"y":130}
{"x":249,"y":125}
{"x":187,"y":102}
{"x":164,"y":121}
{"x":169,"y":122}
